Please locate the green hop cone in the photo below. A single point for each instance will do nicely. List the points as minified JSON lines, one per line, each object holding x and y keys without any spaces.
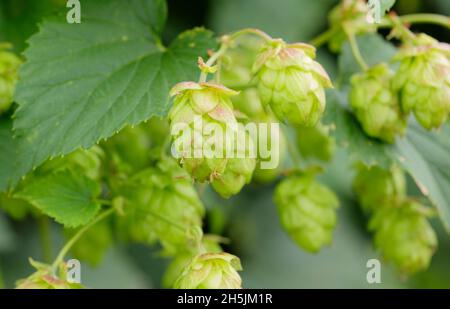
{"x":182,"y":260}
{"x":9,"y":66}
{"x":292,"y":82}
{"x":43,"y":278}
{"x":209,"y":141}
{"x":315,"y":142}
{"x":423,"y":80}
{"x":376,"y":105}
{"x":352,"y":13}
{"x":211,"y":271}
{"x":404,"y":236}
{"x":376,"y":187}
{"x":161,"y":203}
{"x":307,"y":211}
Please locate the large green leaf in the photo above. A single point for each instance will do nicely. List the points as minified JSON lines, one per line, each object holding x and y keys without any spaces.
{"x":84,"y":82}
{"x":426,"y":156}
{"x":67,"y":197}
{"x":7,"y":152}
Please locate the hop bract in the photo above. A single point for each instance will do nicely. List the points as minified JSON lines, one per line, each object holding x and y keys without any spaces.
{"x":211,"y":271}
{"x":161,"y":203}
{"x":376,"y":105}
{"x":292,"y":82}
{"x":315,"y":142}
{"x":404,"y":236}
{"x":307,"y":211}
{"x":423,"y":80}
{"x":376,"y":187}
{"x":202,"y":122}
{"x":9,"y":66}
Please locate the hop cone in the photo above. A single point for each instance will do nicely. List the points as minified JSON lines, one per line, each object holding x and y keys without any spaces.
{"x":423,"y":80}
{"x":161,"y":203}
{"x":211,"y":271}
{"x":314,"y":142}
{"x":292,"y":82}
{"x":375,"y":103}
{"x":44,"y":279}
{"x":404,"y":236}
{"x":9,"y":66}
{"x":354,"y":14}
{"x":202,"y":106}
{"x":307,"y":211}
{"x":376,"y":187}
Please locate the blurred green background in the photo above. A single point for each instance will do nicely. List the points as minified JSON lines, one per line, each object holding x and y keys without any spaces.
{"x":269,"y":258}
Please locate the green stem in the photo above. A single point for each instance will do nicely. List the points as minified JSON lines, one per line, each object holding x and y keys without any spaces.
{"x":212,"y":60}
{"x":323,"y":38}
{"x":436,"y":19}
{"x":355,"y":49}
{"x":254,"y":31}
{"x":45,"y":238}
{"x":2,"y":283}
{"x":77,"y":236}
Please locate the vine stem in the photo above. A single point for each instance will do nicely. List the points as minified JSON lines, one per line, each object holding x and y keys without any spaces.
{"x":355,"y":49}
{"x":323,"y":38}
{"x":77,"y":236}
{"x":226,"y":42}
{"x":417,"y":19}
{"x":44,"y":235}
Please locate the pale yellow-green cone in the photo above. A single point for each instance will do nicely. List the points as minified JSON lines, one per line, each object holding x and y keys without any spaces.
{"x":292,"y":82}
{"x":211,"y":271}
{"x":161,"y":203}
{"x":307,"y":211}
{"x":44,"y":279}
{"x":354,"y":14}
{"x":315,"y":142}
{"x":376,"y":187}
{"x":404,"y":236}
{"x":376,"y":105}
{"x":182,"y":260}
{"x":9,"y":66}
{"x":210,"y":104}
{"x":423,"y":80}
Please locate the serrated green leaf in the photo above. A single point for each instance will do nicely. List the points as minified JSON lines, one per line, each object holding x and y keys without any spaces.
{"x":67,"y":197}
{"x":349,"y":134}
{"x":84,"y":82}
{"x":426,"y":156}
{"x":7,"y":152}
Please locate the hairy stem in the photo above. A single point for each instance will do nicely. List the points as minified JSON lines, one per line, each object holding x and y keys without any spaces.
{"x":436,"y":19}
{"x":45,"y":238}
{"x":323,"y":38}
{"x":355,"y":49}
{"x":77,"y":236}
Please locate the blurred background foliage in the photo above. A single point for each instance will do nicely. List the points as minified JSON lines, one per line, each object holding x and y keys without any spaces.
{"x":269,"y":257}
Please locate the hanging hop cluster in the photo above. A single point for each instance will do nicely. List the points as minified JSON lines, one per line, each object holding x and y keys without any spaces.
{"x":404,"y":236}
{"x":162,"y":202}
{"x":307,"y":211}
{"x":196,"y":106}
{"x":375,"y":103}
{"x":423,"y":80}
{"x":291,"y":82}
{"x":9,"y":66}
{"x":401,"y":230}
{"x":211,"y":271}
{"x":315,"y":142}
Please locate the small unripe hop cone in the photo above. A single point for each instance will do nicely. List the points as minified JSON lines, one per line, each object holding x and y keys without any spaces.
{"x":291,"y":82}
{"x":423,"y":80}
{"x":209,"y":104}
{"x":307,"y":211}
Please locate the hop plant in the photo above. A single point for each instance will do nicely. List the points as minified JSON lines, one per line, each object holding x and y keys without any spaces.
{"x":354,"y":15}
{"x":229,"y":168}
{"x":376,"y":187}
{"x":376,"y":105}
{"x":211,"y":271}
{"x":9,"y":66}
{"x":43,"y":278}
{"x":423,"y":80}
{"x":307,"y":211}
{"x":404,"y":236}
{"x":161,"y":203}
{"x":292,"y":82}
{"x":315,"y":142}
